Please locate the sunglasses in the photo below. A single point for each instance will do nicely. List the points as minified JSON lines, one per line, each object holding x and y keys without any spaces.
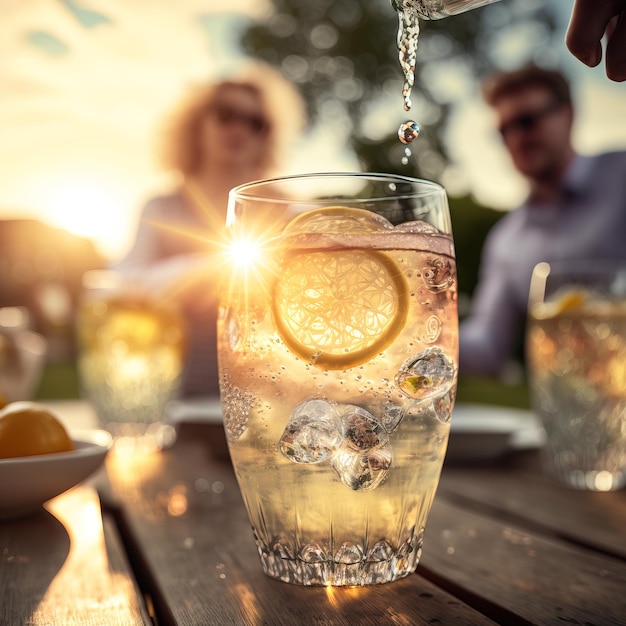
{"x":528,"y":121}
{"x":227,"y":116}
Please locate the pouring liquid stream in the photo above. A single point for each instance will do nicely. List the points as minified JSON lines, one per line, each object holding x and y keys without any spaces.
{"x":407,"y":37}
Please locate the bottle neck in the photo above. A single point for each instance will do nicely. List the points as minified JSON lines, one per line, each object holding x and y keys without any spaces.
{"x":437,"y":9}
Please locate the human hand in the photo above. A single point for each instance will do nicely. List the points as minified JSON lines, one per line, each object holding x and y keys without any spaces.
{"x":592,"y":20}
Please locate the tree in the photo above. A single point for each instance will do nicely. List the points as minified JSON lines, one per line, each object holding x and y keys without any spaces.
{"x":343,"y":55}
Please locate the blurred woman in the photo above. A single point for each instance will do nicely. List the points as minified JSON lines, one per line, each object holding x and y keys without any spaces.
{"x":222,"y":135}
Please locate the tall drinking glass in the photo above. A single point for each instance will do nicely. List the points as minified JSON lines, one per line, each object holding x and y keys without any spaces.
{"x":576,"y":346}
{"x":131,"y":349}
{"x":338,"y":366}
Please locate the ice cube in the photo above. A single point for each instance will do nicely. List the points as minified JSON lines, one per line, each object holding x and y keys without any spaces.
{"x":313,"y":433}
{"x":392,"y":416}
{"x":429,"y":374}
{"x":442,"y":407}
{"x":362,"y":430}
{"x":362,"y":471}
{"x":364,"y":458}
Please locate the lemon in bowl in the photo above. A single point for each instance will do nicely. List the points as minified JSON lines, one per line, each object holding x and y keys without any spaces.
{"x":38,"y":458}
{"x":29,"y":429}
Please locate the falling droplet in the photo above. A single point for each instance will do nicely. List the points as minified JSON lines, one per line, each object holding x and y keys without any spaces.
{"x":408,"y":131}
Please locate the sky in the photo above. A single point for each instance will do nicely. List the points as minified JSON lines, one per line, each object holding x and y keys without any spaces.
{"x":85,"y":84}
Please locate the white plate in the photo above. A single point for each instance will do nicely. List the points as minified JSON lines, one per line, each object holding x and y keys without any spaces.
{"x":203,"y":410}
{"x":486,"y":432}
{"x":27,"y":482}
{"x":478,"y":431}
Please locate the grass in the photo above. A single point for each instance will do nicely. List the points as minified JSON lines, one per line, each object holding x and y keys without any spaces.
{"x":59,"y":382}
{"x":488,"y":391}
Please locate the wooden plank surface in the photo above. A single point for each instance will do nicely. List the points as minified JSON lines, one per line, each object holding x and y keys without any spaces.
{"x":189,"y":536}
{"x":488,"y":554}
{"x":504,"y":569}
{"x":592,"y":519}
{"x":59,"y":566}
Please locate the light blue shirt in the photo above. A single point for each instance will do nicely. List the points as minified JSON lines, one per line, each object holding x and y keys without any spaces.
{"x":587,"y":222}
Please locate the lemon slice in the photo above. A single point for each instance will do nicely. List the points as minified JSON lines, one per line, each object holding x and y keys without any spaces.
{"x":339,"y":308}
{"x":337,"y":219}
{"x":569,"y":301}
{"x":564,"y":303}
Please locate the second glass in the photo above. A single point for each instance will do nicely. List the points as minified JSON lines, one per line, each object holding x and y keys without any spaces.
{"x":576,"y":347}
{"x":338,"y":342}
{"x":131,"y":351}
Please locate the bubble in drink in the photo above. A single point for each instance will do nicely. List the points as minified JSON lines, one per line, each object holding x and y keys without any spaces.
{"x":313,"y":433}
{"x":428,"y":375}
{"x":438,"y":275}
{"x":408,"y":132}
{"x":432,"y":330}
{"x":417,"y":227}
{"x":236,"y":405}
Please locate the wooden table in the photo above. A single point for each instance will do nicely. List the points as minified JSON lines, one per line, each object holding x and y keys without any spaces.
{"x":165,"y":539}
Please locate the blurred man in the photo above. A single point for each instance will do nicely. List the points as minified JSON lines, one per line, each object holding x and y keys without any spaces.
{"x":576,"y":209}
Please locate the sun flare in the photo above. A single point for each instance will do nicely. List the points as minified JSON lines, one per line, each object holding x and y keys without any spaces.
{"x":244,"y":253}
{"x":82,"y":209}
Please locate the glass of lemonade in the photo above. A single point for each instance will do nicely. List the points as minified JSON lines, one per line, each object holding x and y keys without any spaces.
{"x":338,"y":364}
{"x":576,"y":345}
{"x":131,"y":348}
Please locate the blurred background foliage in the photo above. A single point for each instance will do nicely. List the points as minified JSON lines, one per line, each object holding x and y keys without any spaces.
{"x":343,"y":56}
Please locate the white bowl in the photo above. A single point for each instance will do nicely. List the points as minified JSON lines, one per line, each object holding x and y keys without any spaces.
{"x":27,"y":482}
